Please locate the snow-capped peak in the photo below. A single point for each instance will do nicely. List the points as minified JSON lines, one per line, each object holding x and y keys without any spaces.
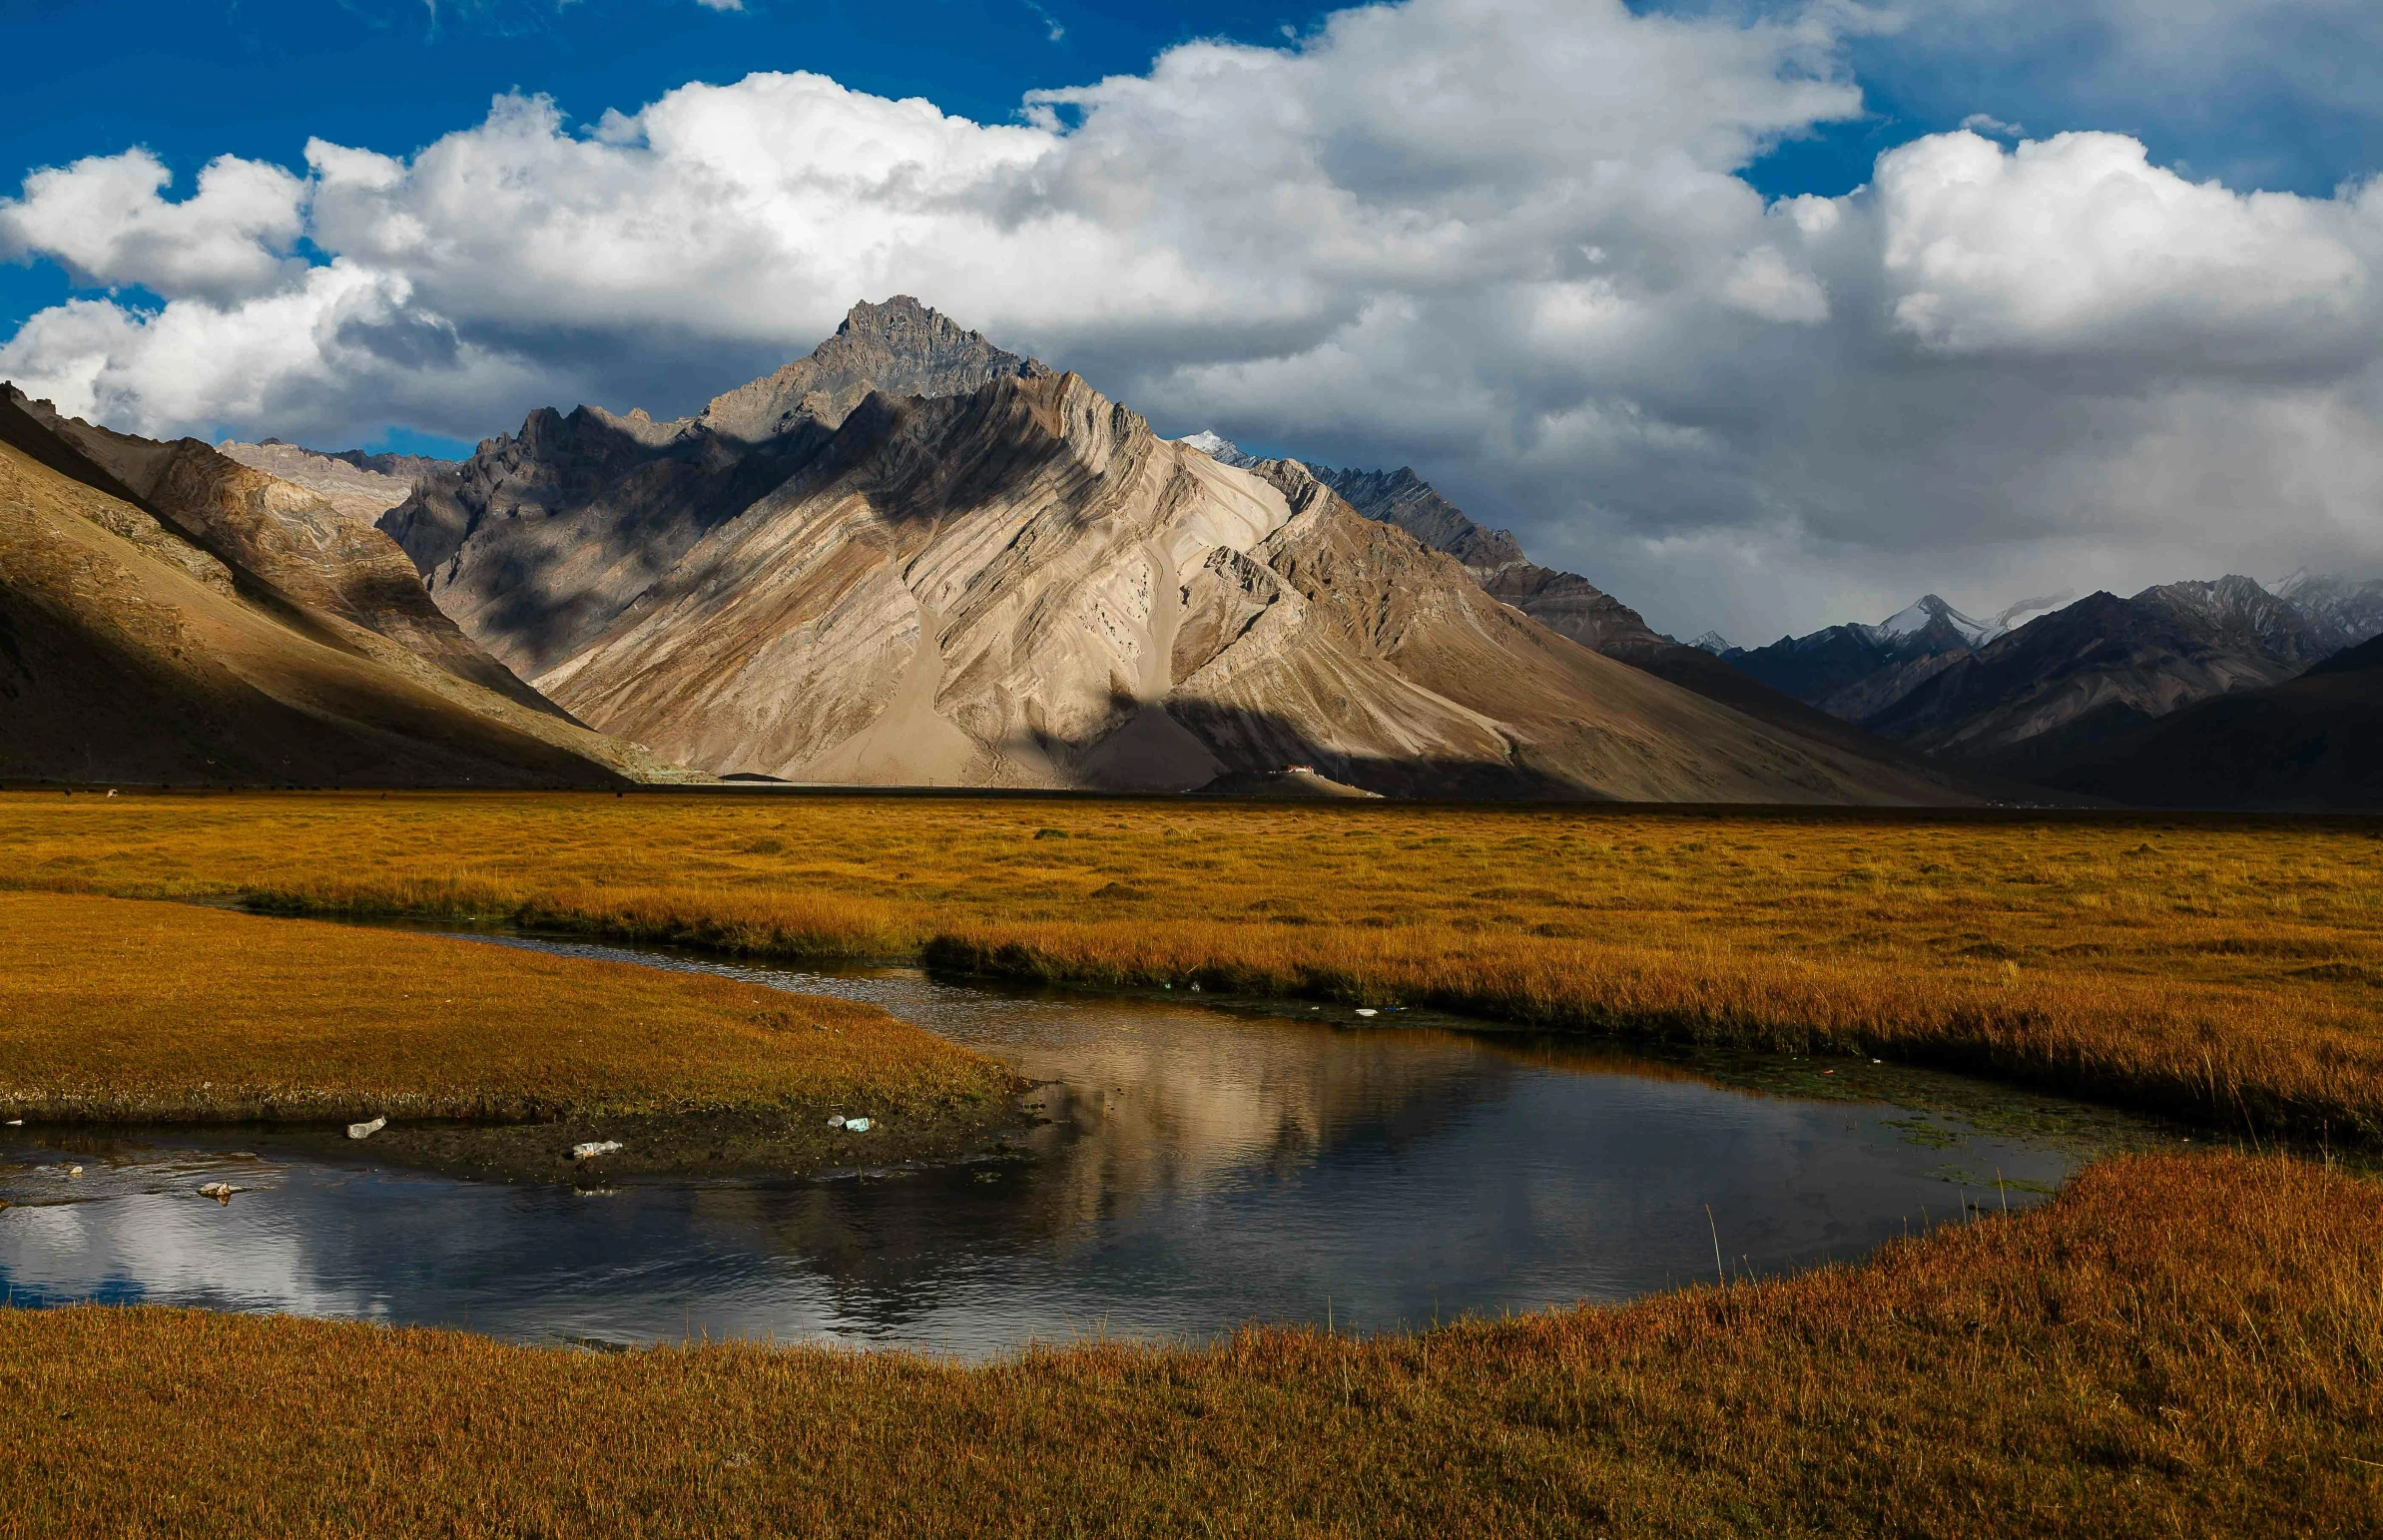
{"x":1712,"y":642}
{"x":1917,"y":618}
{"x":1216,"y":448}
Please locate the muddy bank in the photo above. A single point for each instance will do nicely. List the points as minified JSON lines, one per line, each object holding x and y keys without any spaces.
{"x":792,"y":1142}
{"x":734,"y":1141}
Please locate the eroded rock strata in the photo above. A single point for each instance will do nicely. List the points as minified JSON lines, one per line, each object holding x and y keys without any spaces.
{"x":916,"y":558}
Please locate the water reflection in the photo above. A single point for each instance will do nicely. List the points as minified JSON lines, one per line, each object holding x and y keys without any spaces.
{"x":1199,"y":1169}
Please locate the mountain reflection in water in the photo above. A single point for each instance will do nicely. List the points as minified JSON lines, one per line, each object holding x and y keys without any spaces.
{"x":1201,"y":1168}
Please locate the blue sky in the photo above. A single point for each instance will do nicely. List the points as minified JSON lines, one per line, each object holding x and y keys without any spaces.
{"x":1736,"y":418}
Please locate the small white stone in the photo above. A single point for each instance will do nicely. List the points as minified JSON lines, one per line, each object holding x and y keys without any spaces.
{"x":836,"y":1119}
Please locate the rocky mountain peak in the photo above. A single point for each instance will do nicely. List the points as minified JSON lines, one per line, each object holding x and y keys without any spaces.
{"x":901,"y":347}
{"x":1935,"y":622}
{"x":2236,"y":609}
{"x":1219,"y":448}
{"x":2341,"y":612}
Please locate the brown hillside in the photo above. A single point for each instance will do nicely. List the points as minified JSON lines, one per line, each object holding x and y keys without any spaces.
{"x":128,"y":653}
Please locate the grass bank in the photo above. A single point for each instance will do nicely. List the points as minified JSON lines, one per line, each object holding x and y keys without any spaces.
{"x":120,"y":1011}
{"x":2074,"y":1369}
{"x":2227,"y":970}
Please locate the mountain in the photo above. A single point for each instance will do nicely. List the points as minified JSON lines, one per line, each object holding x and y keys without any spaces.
{"x":1855,"y":672}
{"x":168,"y":616}
{"x":900,"y":348}
{"x":358,"y":486}
{"x":2098,"y":667}
{"x":1571,"y":606}
{"x":290,"y":539}
{"x":1563,"y":602}
{"x":2339,"y":612}
{"x":2311,"y":744}
{"x":1219,"y":449}
{"x":915,"y":557}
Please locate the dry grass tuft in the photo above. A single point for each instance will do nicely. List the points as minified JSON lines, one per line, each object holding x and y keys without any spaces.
{"x":2173,"y":1347}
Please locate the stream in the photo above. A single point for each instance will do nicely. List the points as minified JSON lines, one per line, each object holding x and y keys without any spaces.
{"x":1201,"y":1168}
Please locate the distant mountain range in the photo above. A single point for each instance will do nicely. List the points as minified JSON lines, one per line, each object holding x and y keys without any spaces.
{"x":2030,"y":701}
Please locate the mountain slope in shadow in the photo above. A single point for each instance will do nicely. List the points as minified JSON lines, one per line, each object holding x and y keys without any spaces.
{"x":141,"y":647}
{"x":2313,"y":744}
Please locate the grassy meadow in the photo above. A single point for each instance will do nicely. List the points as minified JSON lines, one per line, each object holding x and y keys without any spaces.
{"x":2067,"y":1370}
{"x":2223,"y":970}
{"x":120,"y":1011}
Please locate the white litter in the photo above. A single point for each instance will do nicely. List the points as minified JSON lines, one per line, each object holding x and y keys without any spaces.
{"x":855,"y":1125}
{"x":74,"y":1171}
{"x":594,"y":1148}
{"x":16,"y":1122}
{"x":366,"y":1130}
{"x":1367,"y":1011}
{"x":836,"y":1119}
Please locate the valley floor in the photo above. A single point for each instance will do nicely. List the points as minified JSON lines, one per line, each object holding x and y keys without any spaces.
{"x":2175,"y":1345}
{"x":2221,"y":971}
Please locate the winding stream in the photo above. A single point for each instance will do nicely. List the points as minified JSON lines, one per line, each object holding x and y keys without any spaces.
{"x":1201,"y":1168}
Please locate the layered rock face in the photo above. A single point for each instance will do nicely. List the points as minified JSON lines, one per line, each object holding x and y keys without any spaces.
{"x":1564,"y":602}
{"x":1016,"y":583}
{"x":1571,"y":606}
{"x":358,"y":486}
{"x":197,"y":636}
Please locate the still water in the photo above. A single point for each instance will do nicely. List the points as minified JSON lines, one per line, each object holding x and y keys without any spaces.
{"x":1200,"y":1169}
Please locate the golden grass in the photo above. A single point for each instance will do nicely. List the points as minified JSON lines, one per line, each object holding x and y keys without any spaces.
{"x":2071,"y":1371}
{"x":2224,"y":969}
{"x":111,"y":1009}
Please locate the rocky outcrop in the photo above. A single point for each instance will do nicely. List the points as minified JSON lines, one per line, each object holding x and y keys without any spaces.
{"x":1016,"y":583}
